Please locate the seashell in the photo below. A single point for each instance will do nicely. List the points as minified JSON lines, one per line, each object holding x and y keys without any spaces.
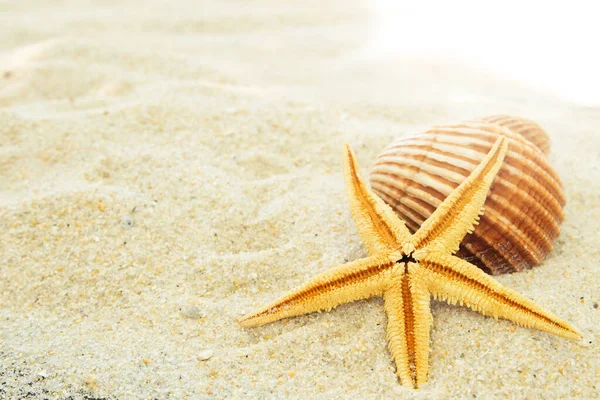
{"x":523,"y":210}
{"x":524,"y":127}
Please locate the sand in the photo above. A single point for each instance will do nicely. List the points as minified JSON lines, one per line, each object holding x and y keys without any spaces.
{"x":165,"y":169}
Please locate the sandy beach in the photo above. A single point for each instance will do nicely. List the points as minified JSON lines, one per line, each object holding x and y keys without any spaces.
{"x":166,"y":169}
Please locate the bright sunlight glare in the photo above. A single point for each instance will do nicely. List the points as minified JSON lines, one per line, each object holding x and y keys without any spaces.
{"x":547,"y":45}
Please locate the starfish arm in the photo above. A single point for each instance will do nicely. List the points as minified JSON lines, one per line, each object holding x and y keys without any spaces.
{"x":378,"y":225}
{"x":459,"y":212}
{"x":409,"y":323}
{"x":454,"y":280}
{"x":345,"y":283}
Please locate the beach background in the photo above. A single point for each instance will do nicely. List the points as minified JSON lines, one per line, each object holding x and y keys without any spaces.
{"x":166,"y":168}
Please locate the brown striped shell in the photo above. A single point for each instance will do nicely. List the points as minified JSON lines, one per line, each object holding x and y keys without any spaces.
{"x":524,"y":127}
{"x":523,"y":210}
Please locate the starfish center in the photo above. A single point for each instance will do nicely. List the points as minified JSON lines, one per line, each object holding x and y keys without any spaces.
{"x":406,"y":258}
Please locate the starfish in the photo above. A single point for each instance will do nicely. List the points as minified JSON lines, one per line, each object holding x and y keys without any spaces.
{"x":407,"y":270}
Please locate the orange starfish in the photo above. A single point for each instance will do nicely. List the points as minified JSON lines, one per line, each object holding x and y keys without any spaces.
{"x":406,"y":270}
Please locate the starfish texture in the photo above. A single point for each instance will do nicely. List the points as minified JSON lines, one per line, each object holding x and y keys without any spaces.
{"x":406,"y":270}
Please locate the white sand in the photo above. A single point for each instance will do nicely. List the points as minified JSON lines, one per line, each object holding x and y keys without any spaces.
{"x":163,"y":170}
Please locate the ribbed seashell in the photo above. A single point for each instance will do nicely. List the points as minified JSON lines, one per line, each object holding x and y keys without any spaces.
{"x":524,"y":127}
{"x":523,"y":210}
